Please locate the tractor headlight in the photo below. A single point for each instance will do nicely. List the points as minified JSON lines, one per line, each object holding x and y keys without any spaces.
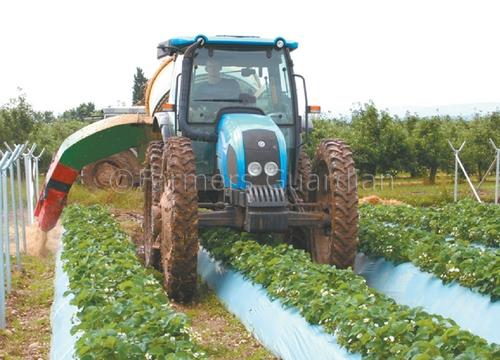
{"x":254,"y":168}
{"x":271,"y":168}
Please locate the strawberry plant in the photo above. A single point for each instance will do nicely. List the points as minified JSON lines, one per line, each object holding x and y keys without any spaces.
{"x":472,"y":267}
{"x":363,"y":320}
{"x":466,"y":220}
{"x":123,"y":311}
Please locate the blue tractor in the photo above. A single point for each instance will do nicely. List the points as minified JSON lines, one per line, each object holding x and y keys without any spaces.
{"x":232,"y":155}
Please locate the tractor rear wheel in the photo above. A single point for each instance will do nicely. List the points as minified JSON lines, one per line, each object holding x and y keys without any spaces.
{"x":152,"y":177}
{"x":299,"y":238}
{"x":179,"y":213}
{"x":337,"y":196}
{"x":304,"y":176}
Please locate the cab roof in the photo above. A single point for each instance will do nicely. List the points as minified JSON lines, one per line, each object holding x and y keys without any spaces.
{"x":180,"y":43}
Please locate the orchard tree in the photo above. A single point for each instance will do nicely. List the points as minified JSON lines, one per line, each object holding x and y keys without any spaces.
{"x":17,"y":120}
{"x":140,"y":83}
{"x":81,"y":112}
{"x":478,"y":152}
{"x":379,"y":141}
{"x":395,"y":151}
{"x":431,"y":148}
{"x":366,"y":127}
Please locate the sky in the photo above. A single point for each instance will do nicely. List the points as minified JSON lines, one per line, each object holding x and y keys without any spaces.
{"x":398,"y":54}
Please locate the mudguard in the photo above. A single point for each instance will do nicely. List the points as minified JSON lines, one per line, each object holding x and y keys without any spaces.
{"x":91,"y":143}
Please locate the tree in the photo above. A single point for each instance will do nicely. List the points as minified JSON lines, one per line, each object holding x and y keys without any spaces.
{"x":478,"y":152}
{"x":17,"y":120}
{"x":379,"y":141}
{"x":395,"y":151}
{"x":81,"y":112}
{"x":432,"y":150}
{"x":140,"y":82}
{"x":50,"y":135}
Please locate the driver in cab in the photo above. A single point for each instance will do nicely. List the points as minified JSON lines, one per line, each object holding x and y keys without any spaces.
{"x":216,"y":87}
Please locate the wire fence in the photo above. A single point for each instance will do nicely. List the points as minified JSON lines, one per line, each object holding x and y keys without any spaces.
{"x":14,"y":199}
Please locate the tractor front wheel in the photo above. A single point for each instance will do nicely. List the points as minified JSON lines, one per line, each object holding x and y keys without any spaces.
{"x":179,"y":213}
{"x":337,"y":195}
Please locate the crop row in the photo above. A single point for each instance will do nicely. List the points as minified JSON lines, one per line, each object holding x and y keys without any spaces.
{"x":466,"y":220}
{"x":123,"y":310}
{"x":472,"y":267}
{"x":363,"y":320}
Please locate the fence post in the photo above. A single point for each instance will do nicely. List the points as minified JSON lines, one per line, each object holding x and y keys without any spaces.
{"x":6,"y":225}
{"x":456,"y":151}
{"x":458,"y":162}
{"x":17,"y":152}
{"x":20,"y":193}
{"x":21,"y":206}
{"x":3,"y":324}
{"x":497,"y":174}
{"x":29,"y":183}
{"x":36,"y":159}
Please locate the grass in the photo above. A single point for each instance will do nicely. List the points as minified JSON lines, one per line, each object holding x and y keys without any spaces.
{"x":419,"y":193}
{"x":414,"y":191}
{"x":28,"y":311}
{"x":130,"y":199}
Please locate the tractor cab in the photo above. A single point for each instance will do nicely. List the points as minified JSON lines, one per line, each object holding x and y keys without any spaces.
{"x":211,"y":77}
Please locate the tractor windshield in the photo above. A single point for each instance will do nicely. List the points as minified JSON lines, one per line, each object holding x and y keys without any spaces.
{"x":243,"y":78}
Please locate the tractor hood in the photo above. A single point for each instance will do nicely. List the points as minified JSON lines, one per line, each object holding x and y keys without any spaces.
{"x":250,"y":138}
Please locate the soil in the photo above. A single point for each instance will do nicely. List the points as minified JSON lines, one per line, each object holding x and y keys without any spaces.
{"x":38,"y":243}
{"x":220,"y":334}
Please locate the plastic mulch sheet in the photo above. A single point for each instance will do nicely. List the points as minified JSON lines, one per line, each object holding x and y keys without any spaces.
{"x":62,"y":314}
{"x":281,"y":330}
{"x":408,"y":285}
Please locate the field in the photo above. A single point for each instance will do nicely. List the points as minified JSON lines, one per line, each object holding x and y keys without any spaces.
{"x":456,"y":243}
